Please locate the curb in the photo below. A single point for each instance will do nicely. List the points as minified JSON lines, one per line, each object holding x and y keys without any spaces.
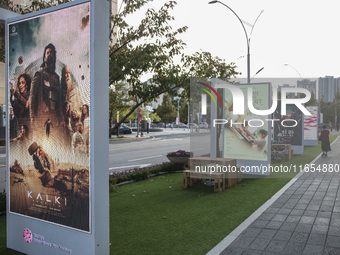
{"x":129,"y":138}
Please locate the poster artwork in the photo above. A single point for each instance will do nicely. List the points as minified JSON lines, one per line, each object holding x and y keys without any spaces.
{"x":311,"y":124}
{"x":291,"y":133}
{"x":49,"y":96}
{"x":247,"y":138}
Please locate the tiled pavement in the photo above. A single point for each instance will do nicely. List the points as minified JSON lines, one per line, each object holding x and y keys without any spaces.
{"x":305,"y":219}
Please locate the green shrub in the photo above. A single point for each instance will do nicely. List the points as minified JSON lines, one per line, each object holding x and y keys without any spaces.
{"x":139,"y":174}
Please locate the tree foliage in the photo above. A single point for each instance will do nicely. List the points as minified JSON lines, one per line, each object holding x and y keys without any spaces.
{"x":167,"y":111}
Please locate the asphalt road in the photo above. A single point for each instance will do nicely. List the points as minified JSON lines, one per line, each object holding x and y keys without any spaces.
{"x":146,"y":152}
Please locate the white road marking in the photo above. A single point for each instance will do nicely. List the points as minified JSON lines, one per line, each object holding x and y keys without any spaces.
{"x":129,"y":167}
{"x":157,"y":156}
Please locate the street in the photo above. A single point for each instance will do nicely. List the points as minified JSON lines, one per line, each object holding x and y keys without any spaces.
{"x":146,"y":152}
{"x":141,"y":153}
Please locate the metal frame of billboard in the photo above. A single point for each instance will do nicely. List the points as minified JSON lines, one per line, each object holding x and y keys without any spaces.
{"x":51,"y":238}
{"x":216,"y":83}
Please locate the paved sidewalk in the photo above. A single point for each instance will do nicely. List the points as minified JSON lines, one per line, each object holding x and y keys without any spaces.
{"x":305,"y":219}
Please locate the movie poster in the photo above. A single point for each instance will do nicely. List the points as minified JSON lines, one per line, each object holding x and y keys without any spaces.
{"x":49,"y":124}
{"x":311,"y":124}
{"x":246,"y":136}
{"x":291,"y":131}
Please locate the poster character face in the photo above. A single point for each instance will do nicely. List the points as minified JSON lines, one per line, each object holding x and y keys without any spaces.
{"x":22,"y":85}
{"x":67,"y":75}
{"x":50,"y":56}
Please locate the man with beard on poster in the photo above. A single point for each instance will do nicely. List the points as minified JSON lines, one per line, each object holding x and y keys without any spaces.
{"x":71,"y":99}
{"x":45,"y":94}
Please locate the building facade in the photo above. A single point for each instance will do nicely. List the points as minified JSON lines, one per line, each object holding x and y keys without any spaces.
{"x":328,"y":87}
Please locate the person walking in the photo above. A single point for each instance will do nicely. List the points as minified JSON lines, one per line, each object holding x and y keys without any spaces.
{"x":324,"y":138}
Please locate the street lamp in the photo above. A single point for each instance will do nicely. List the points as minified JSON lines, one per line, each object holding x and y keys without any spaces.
{"x":296,"y":72}
{"x":294,"y":69}
{"x":257,"y":72}
{"x":245,"y":32}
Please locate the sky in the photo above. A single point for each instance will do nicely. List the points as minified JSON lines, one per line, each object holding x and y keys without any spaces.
{"x":290,"y":38}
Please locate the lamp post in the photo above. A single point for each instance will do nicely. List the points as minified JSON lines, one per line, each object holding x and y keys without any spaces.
{"x":296,"y":72}
{"x":294,"y":69}
{"x":257,"y":72}
{"x":245,"y":32}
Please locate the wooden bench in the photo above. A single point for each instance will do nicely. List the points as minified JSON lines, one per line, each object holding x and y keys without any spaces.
{"x":191,"y":177}
{"x":282,"y":152}
{"x":216,"y":169}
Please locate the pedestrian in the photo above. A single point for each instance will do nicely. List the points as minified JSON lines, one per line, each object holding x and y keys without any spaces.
{"x":324,"y":138}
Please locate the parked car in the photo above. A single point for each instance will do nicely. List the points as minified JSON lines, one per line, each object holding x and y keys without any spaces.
{"x":122,"y":130}
{"x":193,"y":125}
{"x":168,"y":125}
{"x":174,"y":125}
{"x":160,"y":125}
{"x":183,"y":125}
{"x":203,"y":125}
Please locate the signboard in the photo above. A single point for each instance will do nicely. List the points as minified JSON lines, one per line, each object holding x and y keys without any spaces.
{"x":246,"y":136}
{"x":292,"y":131}
{"x":311,"y":126}
{"x":51,"y":163}
{"x":49,"y":84}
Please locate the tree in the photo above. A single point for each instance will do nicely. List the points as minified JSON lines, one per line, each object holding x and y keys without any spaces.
{"x":166,"y":111}
{"x":130,"y":58}
{"x":118,"y":102}
{"x":313,"y":101}
{"x":183,"y":111}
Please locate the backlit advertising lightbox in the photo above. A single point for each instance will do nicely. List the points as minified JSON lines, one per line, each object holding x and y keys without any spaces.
{"x":57,"y":146}
{"x":311,"y":126}
{"x":292,"y":132}
{"x":49,"y":95}
{"x":246,"y":135}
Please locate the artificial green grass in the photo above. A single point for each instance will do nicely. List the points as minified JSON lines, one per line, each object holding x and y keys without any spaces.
{"x":196,"y":218}
{"x":158,"y":216}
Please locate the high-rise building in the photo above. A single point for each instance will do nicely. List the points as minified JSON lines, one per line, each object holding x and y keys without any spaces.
{"x":327,"y":88}
{"x":307,"y":84}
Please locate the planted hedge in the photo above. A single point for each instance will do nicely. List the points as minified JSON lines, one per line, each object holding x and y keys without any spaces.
{"x":138,"y":174}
